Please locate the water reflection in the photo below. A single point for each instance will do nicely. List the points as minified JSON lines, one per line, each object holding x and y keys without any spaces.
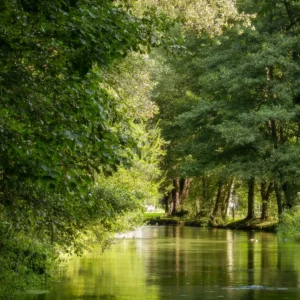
{"x":164,"y":263}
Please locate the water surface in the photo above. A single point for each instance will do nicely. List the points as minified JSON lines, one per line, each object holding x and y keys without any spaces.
{"x":164,"y":263}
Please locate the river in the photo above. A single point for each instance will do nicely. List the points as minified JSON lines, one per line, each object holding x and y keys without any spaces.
{"x":168,"y":263}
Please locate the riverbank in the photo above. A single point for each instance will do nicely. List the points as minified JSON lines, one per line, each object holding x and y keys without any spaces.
{"x":243,"y":224}
{"x":250,"y":224}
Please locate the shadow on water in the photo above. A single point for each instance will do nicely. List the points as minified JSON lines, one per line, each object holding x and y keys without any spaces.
{"x":82,"y":297}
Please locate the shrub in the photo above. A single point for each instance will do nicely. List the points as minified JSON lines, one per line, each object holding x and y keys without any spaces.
{"x":289,"y":225}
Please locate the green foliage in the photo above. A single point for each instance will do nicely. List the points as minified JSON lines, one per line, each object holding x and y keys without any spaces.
{"x":202,"y":196}
{"x":24,"y":260}
{"x":289,"y":225}
{"x":129,"y":81}
{"x":203,"y":15}
{"x":51,"y":94}
{"x":66,"y":122}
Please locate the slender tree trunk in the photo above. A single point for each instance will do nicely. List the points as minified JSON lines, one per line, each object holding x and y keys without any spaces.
{"x":223,"y":203}
{"x":182,"y":185}
{"x":251,"y":185}
{"x":197,"y":203}
{"x":227,"y":199}
{"x":170,"y":203}
{"x":265,"y":191}
{"x":216,"y":209}
{"x":176,"y":196}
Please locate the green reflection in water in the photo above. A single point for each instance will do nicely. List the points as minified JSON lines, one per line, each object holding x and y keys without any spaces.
{"x":167,"y":263}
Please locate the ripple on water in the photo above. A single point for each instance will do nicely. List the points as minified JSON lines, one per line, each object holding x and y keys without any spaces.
{"x":256,"y":287}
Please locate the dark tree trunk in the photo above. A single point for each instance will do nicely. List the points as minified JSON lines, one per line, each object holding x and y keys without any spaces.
{"x":217,"y":206}
{"x":182,"y":183}
{"x":185,"y":184}
{"x":251,"y":185}
{"x":265,"y":191}
{"x":177,"y":195}
{"x":290,"y":194}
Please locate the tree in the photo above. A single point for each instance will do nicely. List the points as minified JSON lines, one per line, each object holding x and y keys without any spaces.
{"x":52,"y":61}
{"x":238,"y":95}
{"x":62,"y":127}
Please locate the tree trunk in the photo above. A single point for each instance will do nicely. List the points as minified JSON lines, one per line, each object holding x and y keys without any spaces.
{"x":169,"y":206}
{"x":227,"y":199}
{"x":265,"y":191}
{"x":197,"y":203}
{"x":251,"y":185}
{"x":176,"y":196}
{"x":289,"y":194}
{"x":185,"y":184}
{"x":216,"y":209}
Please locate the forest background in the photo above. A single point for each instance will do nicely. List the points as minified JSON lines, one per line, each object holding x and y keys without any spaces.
{"x":107,"y":106}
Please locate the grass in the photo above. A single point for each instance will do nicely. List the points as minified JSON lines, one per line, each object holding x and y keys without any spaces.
{"x":151,"y":215}
{"x":251,"y":224}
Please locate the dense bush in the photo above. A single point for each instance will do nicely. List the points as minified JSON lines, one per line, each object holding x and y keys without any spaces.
{"x":289,"y":225}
